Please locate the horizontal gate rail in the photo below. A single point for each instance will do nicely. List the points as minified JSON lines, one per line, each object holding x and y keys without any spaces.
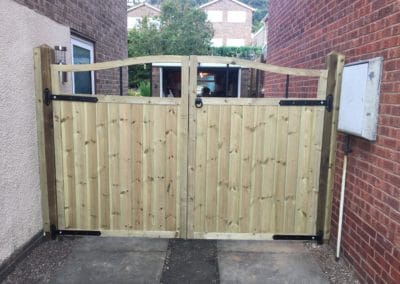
{"x":263,"y":66}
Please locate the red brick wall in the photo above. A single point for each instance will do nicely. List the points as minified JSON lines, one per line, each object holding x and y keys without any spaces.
{"x":101,"y":21}
{"x":301,"y":34}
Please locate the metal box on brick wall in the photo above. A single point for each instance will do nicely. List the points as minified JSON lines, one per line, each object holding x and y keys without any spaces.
{"x":359,"y":103}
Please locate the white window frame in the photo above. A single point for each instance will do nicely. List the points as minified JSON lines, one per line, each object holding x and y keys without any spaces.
{"x":86,"y":45}
{"x":133,"y":22}
{"x":233,"y":17}
{"x":214,"y":14}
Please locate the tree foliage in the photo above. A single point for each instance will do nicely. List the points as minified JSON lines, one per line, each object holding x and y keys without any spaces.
{"x":261,"y":7}
{"x":181,"y":29}
{"x":184,"y":28}
{"x":243,"y":52}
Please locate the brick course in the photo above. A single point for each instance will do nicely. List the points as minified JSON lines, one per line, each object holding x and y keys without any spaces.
{"x":301,"y":34}
{"x":101,"y":21}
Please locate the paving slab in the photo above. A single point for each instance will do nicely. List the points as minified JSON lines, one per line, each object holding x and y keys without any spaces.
{"x":267,"y":262}
{"x":144,"y":260}
{"x":114,"y":260}
{"x":261,"y":246}
{"x":191,"y":261}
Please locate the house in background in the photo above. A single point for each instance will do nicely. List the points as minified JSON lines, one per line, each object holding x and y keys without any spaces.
{"x":91,"y":31}
{"x":231,"y":20}
{"x":138,"y":12}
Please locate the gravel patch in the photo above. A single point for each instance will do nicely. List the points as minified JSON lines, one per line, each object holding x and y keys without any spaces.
{"x":336,"y":271}
{"x":42,"y":262}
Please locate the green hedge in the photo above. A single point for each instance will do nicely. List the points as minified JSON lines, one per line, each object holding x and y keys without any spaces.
{"x":244,"y":52}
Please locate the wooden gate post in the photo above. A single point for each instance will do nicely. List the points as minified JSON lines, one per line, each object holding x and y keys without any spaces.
{"x":43,"y":58}
{"x":334,"y":64}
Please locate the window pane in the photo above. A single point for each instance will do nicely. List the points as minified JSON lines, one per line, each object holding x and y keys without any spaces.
{"x":236,"y":17}
{"x":214,"y":16}
{"x":83,"y":80}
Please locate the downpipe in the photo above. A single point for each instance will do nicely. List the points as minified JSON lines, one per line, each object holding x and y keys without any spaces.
{"x":347,"y":150}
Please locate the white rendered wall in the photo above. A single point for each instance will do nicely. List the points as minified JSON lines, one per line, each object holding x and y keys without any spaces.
{"x":21,"y":29}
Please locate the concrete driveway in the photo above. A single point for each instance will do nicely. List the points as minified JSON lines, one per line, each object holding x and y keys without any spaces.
{"x":136,"y":260}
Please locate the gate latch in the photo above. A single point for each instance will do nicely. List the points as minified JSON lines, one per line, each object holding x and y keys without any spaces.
{"x":198,"y":102}
{"x":48,"y":97}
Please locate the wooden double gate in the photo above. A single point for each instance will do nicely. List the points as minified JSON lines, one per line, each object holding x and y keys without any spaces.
{"x":235,"y":168}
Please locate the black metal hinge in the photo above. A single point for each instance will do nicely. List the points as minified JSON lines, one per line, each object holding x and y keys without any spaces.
{"x":48,"y":97}
{"x":328,"y":103}
{"x":319,"y":237}
{"x":54,"y":232}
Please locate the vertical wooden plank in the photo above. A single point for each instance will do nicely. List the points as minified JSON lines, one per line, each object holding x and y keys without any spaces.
{"x":257,"y":172}
{"x":191,"y":150}
{"x":303,"y":179}
{"x":291,"y":169}
{"x":81,"y":186}
{"x":114,"y":172}
{"x":68,"y":165}
{"x":58,"y":155}
{"x":335,"y":64}
{"x":187,"y":88}
{"x":159,"y":163}
{"x":43,"y":57}
{"x":246,"y":161}
{"x":235,"y":149}
{"x":125,"y":164}
{"x":280,"y":167}
{"x":201,"y":170}
{"x":148,"y":178}
{"x":212,"y":169}
{"x":171,"y":168}
{"x":102,"y":125}
{"x":91,"y":162}
{"x":223,"y":168}
{"x":137,"y":165}
{"x":268,"y":191}
{"x":314,"y":168}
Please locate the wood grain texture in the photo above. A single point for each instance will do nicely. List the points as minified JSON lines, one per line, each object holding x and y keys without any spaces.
{"x":335,"y":64}
{"x":234,"y":169}
{"x":256,"y":169}
{"x":119,"y":167}
{"x":43,"y":57}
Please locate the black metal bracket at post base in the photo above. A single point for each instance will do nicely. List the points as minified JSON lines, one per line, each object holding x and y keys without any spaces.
{"x":328,"y":103}
{"x":48,"y":97}
{"x":54,"y":232}
{"x":319,"y":237}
